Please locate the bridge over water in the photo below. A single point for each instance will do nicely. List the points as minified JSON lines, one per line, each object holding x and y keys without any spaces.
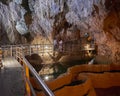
{"x":14,"y":75}
{"x":14,"y":72}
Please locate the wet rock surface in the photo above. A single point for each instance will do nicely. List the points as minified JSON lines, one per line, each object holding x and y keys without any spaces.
{"x":35,"y":60}
{"x":112,"y":91}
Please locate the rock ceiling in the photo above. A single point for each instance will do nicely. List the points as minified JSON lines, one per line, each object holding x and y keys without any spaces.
{"x":22,"y":20}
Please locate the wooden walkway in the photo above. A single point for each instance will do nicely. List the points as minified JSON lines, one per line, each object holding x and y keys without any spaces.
{"x":11,"y":78}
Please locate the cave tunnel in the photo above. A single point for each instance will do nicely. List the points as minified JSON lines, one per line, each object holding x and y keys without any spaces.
{"x":71,"y":44}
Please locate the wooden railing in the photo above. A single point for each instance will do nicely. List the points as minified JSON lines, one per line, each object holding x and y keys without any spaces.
{"x":28,"y":67}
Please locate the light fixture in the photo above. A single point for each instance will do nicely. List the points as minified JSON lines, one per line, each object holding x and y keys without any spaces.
{"x":46,"y":78}
{"x":46,"y":47}
{"x":87,"y":46}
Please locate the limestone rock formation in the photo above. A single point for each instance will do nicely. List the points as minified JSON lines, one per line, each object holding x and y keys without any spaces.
{"x":23,"y":19}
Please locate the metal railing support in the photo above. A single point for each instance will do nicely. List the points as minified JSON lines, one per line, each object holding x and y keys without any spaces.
{"x":11,"y":51}
{"x":28,"y":67}
{"x":43,"y":85}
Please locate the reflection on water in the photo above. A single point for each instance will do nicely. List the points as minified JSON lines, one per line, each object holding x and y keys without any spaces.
{"x":52,"y":71}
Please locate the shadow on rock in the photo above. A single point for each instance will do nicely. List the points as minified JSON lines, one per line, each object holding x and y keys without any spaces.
{"x":35,"y":60}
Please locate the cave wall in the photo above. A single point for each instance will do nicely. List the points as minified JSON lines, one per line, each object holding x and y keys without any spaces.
{"x":12,"y":22}
{"x":22,"y":20}
{"x":100,"y":18}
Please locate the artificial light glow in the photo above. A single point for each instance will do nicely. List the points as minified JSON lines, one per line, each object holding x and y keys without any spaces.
{"x":87,"y":46}
{"x":46,"y":47}
{"x":46,"y":78}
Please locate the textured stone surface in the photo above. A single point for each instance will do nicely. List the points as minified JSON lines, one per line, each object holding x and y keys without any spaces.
{"x":9,"y":15}
{"x":61,"y":18}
